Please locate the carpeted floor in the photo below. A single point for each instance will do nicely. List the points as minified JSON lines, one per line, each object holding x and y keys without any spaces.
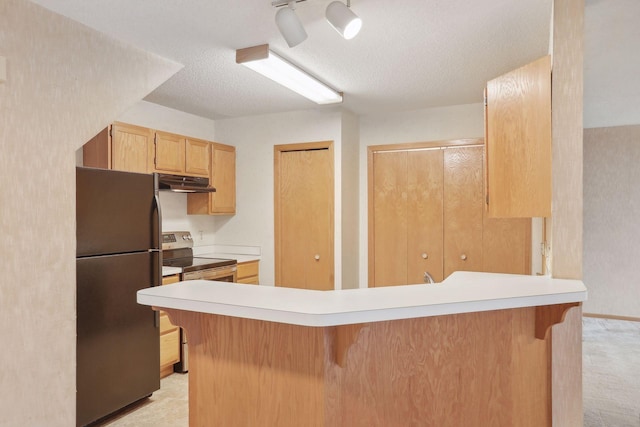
{"x":611,"y":383}
{"x":611,"y":372}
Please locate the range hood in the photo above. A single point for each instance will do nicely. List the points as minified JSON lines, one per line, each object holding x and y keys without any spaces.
{"x":184,"y":184}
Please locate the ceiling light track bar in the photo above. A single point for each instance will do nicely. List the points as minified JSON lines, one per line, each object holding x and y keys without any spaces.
{"x":279,"y":3}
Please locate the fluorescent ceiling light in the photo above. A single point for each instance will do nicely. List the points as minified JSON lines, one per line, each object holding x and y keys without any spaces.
{"x":267,"y":63}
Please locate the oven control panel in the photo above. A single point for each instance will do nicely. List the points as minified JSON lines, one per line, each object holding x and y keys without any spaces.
{"x":176,"y":240}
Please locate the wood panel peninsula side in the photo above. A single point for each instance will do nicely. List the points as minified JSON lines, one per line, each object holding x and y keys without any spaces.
{"x":473,"y":350}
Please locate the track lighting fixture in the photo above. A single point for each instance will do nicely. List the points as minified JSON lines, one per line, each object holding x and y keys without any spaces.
{"x":267,"y":63}
{"x":290,"y":26}
{"x":338,"y":14}
{"x":343,"y":20}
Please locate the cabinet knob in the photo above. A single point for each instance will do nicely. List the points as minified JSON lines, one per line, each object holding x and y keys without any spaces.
{"x":317,"y":257}
{"x":463,"y":257}
{"x":424,"y":255}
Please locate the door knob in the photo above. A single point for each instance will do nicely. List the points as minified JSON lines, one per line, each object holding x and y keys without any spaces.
{"x":463,"y":257}
{"x":317,"y":257}
{"x":424,"y":255}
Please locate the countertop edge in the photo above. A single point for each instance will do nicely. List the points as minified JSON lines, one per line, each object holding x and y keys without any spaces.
{"x":334,"y":308}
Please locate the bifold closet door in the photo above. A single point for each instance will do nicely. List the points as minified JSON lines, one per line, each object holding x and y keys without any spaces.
{"x":463,"y":209}
{"x":390,"y":218}
{"x":424,"y":215}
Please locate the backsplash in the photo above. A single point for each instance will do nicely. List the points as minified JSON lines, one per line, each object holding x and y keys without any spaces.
{"x":175,"y":218}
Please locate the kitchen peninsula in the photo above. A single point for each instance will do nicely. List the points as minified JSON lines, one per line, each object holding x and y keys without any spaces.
{"x":472,"y":350}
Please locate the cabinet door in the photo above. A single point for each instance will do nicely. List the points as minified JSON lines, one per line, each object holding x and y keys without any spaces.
{"x":506,"y":245}
{"x":223,"y":179}
{"x":463,"y":207}
{"x":389,"y":219}
{"x":424,"y":215}
{"x":131,"y":148}
{"x":198,"y":157}
{"x":518,"y":140}
{"x":248,"y":272}
{"x":169,"y":153}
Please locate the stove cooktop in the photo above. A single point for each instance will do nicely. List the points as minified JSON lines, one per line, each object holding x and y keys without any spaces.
{"x":177,"y":251}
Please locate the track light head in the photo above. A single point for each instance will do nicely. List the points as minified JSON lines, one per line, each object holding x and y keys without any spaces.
{"x":343,"y":20}
{"x":290,"y":26}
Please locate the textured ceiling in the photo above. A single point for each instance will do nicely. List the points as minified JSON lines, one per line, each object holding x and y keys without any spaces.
{"x":409,"y":55}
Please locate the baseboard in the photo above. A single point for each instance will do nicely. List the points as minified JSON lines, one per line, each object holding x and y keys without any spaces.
{"x":611,"y":316}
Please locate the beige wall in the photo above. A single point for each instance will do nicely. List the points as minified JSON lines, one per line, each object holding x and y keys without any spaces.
{"x":566,"y":229}
{"x":350,"y":201}
{"x":611,"y":226}
{"x":63,"y":85}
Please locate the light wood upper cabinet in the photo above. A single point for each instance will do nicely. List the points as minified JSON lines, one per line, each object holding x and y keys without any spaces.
{"x":169,"y":154}
{"x":96,"y":153}
{"x":506,"y":245}
{"x":180,"y":155}
{"x":223,"y":178}
{"x":197,"y":157}
{"x":518,"y":142}
{"x":130,"y":148}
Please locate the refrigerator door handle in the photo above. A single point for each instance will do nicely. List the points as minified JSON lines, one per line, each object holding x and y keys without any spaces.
{"x":156,"y":220}
{"x":156,"y":267}
{"x":156,"y":278}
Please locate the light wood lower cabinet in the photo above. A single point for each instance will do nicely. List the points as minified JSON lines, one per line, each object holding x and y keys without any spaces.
{"x":248,"y":272}
{"x":169,"y":337}
{"x":427,"y":214}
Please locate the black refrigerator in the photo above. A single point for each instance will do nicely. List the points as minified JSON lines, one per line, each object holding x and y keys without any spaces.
{"x":118,"y":253}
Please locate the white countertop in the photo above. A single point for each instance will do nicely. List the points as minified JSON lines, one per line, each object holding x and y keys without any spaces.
{"x":169,"y":271}
{"x":462,"y":292}
{"x":238,"y":257}
{"x":239,"y":253}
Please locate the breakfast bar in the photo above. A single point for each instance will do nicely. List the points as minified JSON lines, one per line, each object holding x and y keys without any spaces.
{"x":472,"y":350}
